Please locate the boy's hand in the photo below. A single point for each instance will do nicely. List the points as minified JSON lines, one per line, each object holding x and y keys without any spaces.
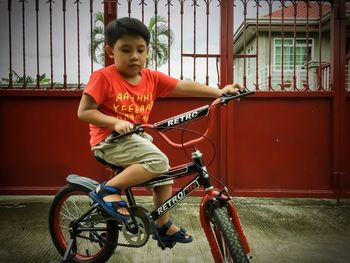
{"x":121,"y":126}
{"x":234,"y":88}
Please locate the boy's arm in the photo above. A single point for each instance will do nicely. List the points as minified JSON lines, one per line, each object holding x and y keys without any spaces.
{"x":88,"y":112}
{"x":195,"y":89}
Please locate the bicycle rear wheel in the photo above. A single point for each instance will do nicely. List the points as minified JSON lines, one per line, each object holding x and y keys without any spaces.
{"x":96,"y":237}
{"x":227,"y":238}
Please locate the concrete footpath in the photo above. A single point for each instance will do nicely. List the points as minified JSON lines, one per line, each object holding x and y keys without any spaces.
{"x":278,"y":230}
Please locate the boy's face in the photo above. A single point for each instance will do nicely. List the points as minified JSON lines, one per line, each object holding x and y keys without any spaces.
{"x":129,"y":54}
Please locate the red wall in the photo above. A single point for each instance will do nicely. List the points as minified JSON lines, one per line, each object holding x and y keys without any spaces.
{"x":266,"y":145}
{"x":345,"y":178}
{"x":42,"y":141}
{"x":285,"y":147}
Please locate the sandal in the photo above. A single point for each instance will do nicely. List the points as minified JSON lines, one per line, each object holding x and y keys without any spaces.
{"x":110,"y":207}
{"x":179,"y":236}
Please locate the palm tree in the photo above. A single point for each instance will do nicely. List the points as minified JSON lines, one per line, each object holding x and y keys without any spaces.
{"x":160,"y":36}
{"x":96,"y":46}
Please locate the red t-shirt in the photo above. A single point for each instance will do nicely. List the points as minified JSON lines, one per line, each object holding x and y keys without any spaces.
{"x":117,"y":97}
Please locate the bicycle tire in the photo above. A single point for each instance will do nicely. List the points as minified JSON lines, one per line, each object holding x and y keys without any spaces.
{"x":93,"y":246}
{"x":227,"y":237}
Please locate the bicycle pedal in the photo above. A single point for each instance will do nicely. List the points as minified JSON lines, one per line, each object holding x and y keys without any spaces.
{"x":165,"y":245}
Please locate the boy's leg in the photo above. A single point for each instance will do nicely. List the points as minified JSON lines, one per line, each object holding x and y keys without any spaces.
{"x":160,"y":195}
{"x":132,"y":175}
{"x":140,"y":157}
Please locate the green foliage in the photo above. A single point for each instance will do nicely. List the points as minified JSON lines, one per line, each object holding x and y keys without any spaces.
{"x":27,"y":79}
{"x":160,"y":33}
{"x":96,"y":45}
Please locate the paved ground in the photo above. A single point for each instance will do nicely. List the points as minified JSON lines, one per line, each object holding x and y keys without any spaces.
{"x":278,"y":230}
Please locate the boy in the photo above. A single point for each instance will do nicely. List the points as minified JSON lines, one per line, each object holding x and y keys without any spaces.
{"x":120,"y":95}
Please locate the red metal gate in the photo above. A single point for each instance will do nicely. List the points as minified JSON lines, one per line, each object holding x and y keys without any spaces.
{"x":290,"y":139}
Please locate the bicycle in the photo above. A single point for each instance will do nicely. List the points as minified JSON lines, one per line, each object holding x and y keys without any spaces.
{"x":83,"y":233}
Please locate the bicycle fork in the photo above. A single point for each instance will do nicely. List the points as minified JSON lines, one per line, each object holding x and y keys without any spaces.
{"x":209,"y":199}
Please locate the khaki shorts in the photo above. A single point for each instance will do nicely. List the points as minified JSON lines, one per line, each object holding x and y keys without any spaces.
{"x":137,"y":148}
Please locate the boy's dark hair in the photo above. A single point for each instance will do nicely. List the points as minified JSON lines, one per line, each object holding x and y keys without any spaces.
{"x":125,"y":26}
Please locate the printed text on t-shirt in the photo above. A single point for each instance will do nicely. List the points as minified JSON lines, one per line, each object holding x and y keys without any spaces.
{"x":133,"y":107}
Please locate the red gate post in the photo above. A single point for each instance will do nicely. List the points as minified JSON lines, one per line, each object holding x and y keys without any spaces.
{"x":110,"y":13}
{"x":339,"y":99}
{"x":226,"y":77}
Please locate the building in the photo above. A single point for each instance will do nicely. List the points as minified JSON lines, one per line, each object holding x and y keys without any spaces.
{"x":288,"y":49}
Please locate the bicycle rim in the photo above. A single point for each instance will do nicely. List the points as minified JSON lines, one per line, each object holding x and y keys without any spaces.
{"x":97,"y":243}
{"x":227,"y":238}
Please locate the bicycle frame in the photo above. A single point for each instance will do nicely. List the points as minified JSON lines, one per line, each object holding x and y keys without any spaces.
{"x":201,"y":179}
{"x":195,"y":168}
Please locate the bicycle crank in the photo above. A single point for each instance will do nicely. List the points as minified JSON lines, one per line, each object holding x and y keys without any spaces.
{"x":137,"y":229}
{"x":137,"y":236}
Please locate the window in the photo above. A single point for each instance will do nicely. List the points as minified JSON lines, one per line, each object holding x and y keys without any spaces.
{"x":251,"y":69}
{"x":303,"y":52}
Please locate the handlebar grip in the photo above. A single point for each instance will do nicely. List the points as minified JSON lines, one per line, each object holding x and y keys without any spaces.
{"x":229,"y":96}
{"x":115,"y":135}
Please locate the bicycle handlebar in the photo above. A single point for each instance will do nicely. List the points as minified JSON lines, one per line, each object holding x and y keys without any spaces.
{"x":182,"y":118}
{"x":225,"y":98}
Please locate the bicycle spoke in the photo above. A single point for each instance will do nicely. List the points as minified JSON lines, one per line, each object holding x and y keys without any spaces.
{"x":67,"y":210}
{"x":77,"y":209}
{"x":67,"y":217}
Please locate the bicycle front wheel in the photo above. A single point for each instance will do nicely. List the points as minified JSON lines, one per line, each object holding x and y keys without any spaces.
{"x":96,"y":237}
{"x":227,"y":237}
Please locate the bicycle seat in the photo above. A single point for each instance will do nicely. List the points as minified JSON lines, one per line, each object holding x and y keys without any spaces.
{"x":112,"y":166}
